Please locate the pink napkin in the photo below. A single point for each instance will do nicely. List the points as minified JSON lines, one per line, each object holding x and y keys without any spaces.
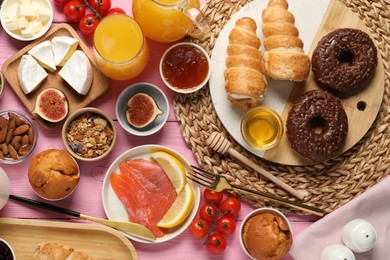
{"x":373,"y":206}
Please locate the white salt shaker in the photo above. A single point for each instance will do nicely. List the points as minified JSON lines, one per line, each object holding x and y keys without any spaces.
{"x":337,"y":252}
{"x":359,"y":235}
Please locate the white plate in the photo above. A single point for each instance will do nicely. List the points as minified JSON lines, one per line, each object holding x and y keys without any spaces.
{"x":114,"y":208}
{"x":308,"y":16}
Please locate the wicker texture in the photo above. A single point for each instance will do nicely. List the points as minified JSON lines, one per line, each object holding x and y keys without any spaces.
{"x":330,"y":184}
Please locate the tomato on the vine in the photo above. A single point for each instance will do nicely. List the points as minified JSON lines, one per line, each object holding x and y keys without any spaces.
{"x":216,"y":243}
{"x":213,"y":197}
{"x":230,"y":207}
{"x":74,"y":10}
{"x":61,"y":2}
{"x":208,"y":212}
{"x":226,"y":225}
{"x":101,"y":6}
{"x":88,"y":24}
{"x":199,"y":228}
{"x":116,"y":10}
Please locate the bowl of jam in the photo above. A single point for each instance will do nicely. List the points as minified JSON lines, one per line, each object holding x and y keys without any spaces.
{"x":185,"y":67}
{"x":6,"y":251}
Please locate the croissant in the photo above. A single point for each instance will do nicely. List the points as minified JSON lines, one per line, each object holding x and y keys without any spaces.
{"x":55,"y":250}
{"x":245,"y":82}
{"x":284,"y":58}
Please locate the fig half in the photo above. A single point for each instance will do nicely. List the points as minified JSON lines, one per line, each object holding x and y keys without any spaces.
{"x":142,"y":110}
{"x":51,"y":105}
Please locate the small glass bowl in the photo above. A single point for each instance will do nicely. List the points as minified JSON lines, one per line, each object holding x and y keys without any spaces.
{"x":191,"y":89}
{"x":255,"y":212}
{"x":262,"y":128}
{"x":34,"y":137}
{"x":75,"y":115}
{"x":5,"y":243}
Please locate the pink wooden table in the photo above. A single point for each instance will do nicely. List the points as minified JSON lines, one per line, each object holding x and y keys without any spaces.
{"x":87,"y":197}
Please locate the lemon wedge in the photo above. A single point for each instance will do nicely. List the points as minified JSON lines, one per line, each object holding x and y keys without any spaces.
{"x":173,"y":168}
{"x":179,"y":210}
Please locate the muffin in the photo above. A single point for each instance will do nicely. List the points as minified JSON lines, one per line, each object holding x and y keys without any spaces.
{"x":267,"y":236}
{"x":53,"y":174}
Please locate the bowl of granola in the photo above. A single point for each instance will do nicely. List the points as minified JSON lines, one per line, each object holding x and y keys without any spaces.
{"x":89,"y":134}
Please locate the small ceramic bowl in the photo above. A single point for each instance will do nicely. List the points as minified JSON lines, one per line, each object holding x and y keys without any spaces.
{"x":161,"y":102}
{"x":89,"y":134}
{"x":185,"y":67}
{"x":6,"y":251}
{"x":4,"y":188}
{"x":9,"y":11}
{"x":23,"y":141}
{"x":259,"y":212}
{"x":262,"y":128}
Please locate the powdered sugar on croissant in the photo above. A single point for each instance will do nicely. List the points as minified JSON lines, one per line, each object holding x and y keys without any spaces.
{"x":284,"y":56}
{"x":245,"y":82}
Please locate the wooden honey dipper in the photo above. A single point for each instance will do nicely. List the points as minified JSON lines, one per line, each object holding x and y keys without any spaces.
{"x":221,"y":144}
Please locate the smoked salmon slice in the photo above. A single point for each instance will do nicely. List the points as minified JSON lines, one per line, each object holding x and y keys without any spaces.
{"x":146,"y":192}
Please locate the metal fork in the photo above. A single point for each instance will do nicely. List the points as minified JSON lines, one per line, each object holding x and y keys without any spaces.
{"x":217,"y":182}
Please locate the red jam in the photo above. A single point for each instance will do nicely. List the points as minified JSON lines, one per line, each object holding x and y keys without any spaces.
{"x":185,"y":67}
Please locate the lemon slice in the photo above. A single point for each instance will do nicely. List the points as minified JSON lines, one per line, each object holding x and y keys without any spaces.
{"x":179,"y":210}
{"x":173,"y":168}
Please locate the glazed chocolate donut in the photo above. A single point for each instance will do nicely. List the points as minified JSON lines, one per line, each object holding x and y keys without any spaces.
{"x":317,"y":125}
{"x":344,"y":59}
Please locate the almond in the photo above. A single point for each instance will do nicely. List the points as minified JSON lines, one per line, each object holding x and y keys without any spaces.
{"x":21,"y":129}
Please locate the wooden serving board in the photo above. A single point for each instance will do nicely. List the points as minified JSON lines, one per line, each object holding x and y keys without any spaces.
{"x":361,"y":108}
{"x":97,"y":241}
{"x":100,"y":82}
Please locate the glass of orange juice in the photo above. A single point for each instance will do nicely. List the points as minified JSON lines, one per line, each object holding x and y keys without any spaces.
{"x":120,"y":47}
{"x":170,"y":20}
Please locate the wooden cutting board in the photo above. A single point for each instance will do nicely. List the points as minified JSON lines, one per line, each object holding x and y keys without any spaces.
{"x":97,"y":241}
{"x":361,"y":108}
{"x":100,"y":83}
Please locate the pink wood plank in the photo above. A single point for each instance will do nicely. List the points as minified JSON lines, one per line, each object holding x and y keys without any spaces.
{"x":87,"y":197}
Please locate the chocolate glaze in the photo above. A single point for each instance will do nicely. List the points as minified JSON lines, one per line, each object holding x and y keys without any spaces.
{"x":317,"y":105}
{"x":344,"y":59}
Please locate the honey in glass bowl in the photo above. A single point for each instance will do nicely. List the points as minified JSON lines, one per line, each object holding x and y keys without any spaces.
{"x":262,"y":127}
{"x":120,"y":46}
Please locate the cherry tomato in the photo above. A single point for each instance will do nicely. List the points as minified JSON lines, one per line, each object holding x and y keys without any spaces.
{"x":199,"y":228}
{"x":230,"y":207}
{"x":226,"y":225}
{"x":116,"y":10}
{"x":208,"y":212}
{"x":101,"y":6}
{"x":213,"y":197}
{"x":88,"y":24}
{"x":216,"y":244}
{"x":61,"y":2}
{"x":74,"y":10}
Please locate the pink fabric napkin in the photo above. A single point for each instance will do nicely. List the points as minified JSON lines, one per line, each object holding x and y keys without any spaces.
{"x":373,"y":206}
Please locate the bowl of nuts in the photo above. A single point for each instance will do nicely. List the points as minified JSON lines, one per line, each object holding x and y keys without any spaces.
{"x":89,"y":134}
{"x":18,"y":136}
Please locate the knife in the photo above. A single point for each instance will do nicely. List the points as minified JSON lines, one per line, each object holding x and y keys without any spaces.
{"x":130,"y":227}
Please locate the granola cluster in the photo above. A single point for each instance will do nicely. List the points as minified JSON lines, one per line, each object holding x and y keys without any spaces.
{"x":89,"y":135}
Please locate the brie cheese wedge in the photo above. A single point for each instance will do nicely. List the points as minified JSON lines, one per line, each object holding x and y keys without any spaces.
{"x":30,"y":74}
{"x":43,"y":53}
{"x":77,"y":72}
{"x":63,"y":48}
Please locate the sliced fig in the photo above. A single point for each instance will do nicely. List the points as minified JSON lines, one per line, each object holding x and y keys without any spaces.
{"x":51,"y":105}
{"x":142,"y":110}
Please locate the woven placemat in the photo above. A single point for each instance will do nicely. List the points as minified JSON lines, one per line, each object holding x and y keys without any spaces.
{"x":330,"y":184}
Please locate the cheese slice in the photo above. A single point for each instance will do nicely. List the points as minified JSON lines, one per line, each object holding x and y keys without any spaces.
{"x":43,"y":53}
{"x":63,"y":48}
{"x":30,"y":74}
{"x":77,"y":72}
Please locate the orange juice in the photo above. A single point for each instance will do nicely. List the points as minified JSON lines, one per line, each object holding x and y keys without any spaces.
{"x":161,"y":20}
{"x":121,"y":48}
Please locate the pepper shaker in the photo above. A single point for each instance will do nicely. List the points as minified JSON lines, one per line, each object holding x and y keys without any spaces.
{"x":359,"y":235}
{"x":337,"y":252}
